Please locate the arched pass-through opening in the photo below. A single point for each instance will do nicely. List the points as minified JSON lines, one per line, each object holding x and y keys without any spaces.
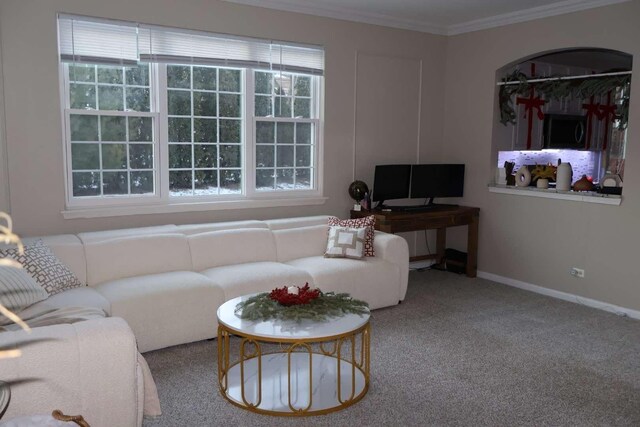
{"x":568,"y":105}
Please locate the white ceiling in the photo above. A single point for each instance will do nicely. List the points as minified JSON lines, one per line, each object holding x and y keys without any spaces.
{"x":446,"y":17}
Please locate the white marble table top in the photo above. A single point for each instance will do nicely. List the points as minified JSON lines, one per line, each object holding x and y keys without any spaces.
{"x":281,"y":329}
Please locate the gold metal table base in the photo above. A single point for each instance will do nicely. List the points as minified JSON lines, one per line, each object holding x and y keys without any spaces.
{"x":294,"y":377}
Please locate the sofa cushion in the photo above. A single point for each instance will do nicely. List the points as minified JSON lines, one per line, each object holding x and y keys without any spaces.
{"x":165,"y":309}
{"x":189,"y":229}
{"x":230,"y":247}
{"x":301,"y":242}
{"x":18,"y":290}
{"x":136,"y":256}
{"x":301,"y":221}
{"x":46,"y":268}
{"x":77,"y":297}
{"x":373,"y":280}
{"x":243,"y":279}
{"x":99,"y":236}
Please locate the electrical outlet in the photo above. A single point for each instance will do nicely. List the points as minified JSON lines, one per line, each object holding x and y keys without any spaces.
{"x":577,"y":272}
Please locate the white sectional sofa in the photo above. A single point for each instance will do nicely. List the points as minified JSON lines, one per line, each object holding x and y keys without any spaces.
{"x":167,"y":282}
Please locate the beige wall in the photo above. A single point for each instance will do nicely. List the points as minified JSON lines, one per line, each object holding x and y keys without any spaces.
{"x":538,"y":240}
{"x":34,"y":135}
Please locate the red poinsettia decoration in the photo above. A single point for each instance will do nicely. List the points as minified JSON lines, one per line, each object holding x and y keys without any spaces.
{"x":294,"y":295}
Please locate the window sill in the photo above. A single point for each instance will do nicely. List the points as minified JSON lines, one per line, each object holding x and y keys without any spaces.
{"x":102,"y":212}
{"x":586,"y":197}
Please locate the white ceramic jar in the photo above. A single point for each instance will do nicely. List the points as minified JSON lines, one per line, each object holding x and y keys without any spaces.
{"x":564,"y":175}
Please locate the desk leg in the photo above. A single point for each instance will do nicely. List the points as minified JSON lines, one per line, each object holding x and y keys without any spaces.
{"x":441,"y":243}
{"x":472,"y":247}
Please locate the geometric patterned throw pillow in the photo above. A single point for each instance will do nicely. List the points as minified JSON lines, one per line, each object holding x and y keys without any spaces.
{"x":369,"y":222}
{"x":345,"y":242}
{"x":44,"y":267}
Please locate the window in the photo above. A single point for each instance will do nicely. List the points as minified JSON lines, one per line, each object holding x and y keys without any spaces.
{"x":186,"y":115}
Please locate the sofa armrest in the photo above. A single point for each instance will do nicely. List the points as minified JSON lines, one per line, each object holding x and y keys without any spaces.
{"x":394,"y":249}
{"x":86,"y":368}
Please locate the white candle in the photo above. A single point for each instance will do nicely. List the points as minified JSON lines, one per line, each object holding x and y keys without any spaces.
{"x":293,"y":290}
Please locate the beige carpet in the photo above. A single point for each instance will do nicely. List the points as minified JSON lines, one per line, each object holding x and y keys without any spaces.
{"x":458,"y":351}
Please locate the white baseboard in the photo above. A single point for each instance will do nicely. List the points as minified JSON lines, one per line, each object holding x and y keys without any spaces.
{"x":620,"y":311}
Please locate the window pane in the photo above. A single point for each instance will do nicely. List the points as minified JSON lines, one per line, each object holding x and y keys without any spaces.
{"x":285,"y":133}
{"x":302,"y":86}
{"x":206,"y":182}
{"x":264,"y":82}
{"x":204,"y":78}
{"x":180,"y":183}
{"x":113,"y":128}
{"x":282,"y":106}
{"x":302,"y":108}
{"x":114,"y":156}
{"x":205,"y":130}
{"x":179,"y":130}
{"x":303,"y":155}
{"x":229,"y":105}
{"x":303,"y":178}
{"x":264,"y":156}
{"x":284,"y":179}
{"x":179,"y":102}
{"x":83,"y":128}
{"x":265,"y":132}
{"x":110,"y":98}
{"x":179,"y":156}
{"x":229,"y":130}
{"x":140,"y":156}
{"x":263,"y":106}
{"x":138,"y":99}
{"x":85,"y":156}
{"x":138,"y":76}
{"x":230,"y":181}
{"x":82,"y":96}
{"x":140,"y":129}
{"x":265,"y":179}
{"x":229,"y":156}
{"x":115,"y":183}
{"x":229,"y":80}
{"x":303,"y":133}
{"x":86,"y":184}
{"x":282,"y":84}
{"x":82,"y":73}
{"x":284,"y":156}
{"x":178,"y":76}
{"x":141,"y":182}
{"x":204,"y":104}
{"x":205,"y":156}
{"x":111,"y":75}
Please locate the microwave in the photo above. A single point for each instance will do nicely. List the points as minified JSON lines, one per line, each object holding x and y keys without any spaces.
{"x":564,"y":131}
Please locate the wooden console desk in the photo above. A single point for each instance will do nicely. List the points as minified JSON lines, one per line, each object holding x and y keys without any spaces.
{"x":439,"y":218}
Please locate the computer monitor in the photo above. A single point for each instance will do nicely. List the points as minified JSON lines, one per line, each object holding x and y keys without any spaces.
{"x":391,"y":182}
{"x":430,"y":181}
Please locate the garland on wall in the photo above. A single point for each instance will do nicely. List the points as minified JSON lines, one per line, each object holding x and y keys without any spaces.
{"x":559,"y":88}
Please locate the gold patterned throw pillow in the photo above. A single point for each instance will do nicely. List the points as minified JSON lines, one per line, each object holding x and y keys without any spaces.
{"x":40,"y":262}
{"x":345,"y":242}
{"x":368,"y":222}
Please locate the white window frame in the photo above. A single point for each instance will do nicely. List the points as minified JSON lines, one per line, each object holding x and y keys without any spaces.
{"x":161,"y":201}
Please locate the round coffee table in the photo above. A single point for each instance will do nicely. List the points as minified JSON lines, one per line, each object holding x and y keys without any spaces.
{"x":292,"y":368}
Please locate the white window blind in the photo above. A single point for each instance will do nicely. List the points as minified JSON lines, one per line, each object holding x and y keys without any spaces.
{"x":93,"y":40}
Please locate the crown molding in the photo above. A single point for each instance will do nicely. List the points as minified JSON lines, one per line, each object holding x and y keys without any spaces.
{"x":347,"y":15}
{"x":531,"y":14}
{"x":539,"y":12}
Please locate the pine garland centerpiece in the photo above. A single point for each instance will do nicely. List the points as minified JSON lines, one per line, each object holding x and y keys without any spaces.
{"x":299,"y":303}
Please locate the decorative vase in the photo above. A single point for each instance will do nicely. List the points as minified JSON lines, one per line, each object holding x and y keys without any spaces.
{"x":583,"y":184}
{"x":564,"y":175}
{"x":542,"y":183}
{"x":523,"y":177}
